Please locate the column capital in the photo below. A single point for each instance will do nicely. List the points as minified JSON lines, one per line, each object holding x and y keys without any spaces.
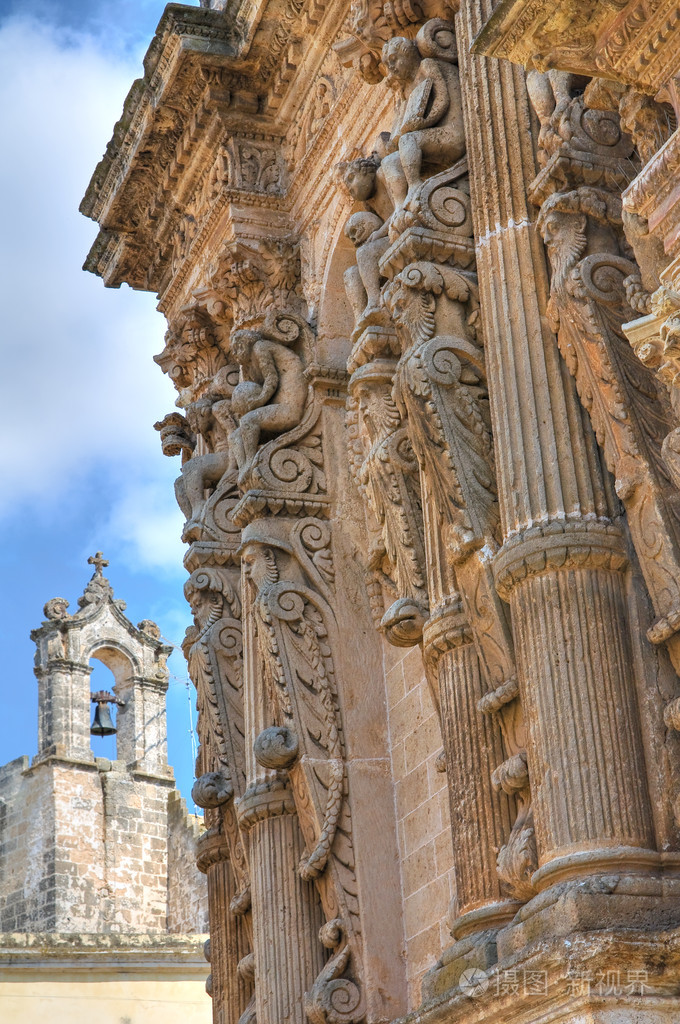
{"x":445,"y":630}
{"x":558,"y":545}
{"x":211,"y":848}
{"x":269,"y":798}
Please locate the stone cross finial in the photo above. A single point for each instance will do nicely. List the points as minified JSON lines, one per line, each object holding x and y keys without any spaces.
{"x":99,"y":562}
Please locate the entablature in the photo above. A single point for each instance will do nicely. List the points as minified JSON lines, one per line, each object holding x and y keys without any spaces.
{"x":238,"y":119}
{"x":631,"y":41}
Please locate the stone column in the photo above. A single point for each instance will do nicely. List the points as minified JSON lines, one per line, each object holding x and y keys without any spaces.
{"x":229,"y":943}
{"x":141,"y":723}
{"x":286,"y":910}
{"x":284,"y":906}
{"x":562,"y":562}
{"x":480,"y":818}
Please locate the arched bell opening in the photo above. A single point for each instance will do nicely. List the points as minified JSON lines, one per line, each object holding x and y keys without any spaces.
{"x":105,"y":713}
{"x":112,"y":676}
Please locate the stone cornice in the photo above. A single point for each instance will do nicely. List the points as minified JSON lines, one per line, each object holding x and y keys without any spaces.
{"x":208,"y":79}
{"x":633,"y":42}
{"x":41,"y":950}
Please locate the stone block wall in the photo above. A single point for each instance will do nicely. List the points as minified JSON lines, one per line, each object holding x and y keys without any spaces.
{"x":96,"y":848}
{"x":422,"y":810}
{"x":79,"y":877}
{"x":27,"y":849}
{"x":187,"y":901}
{"x":136,"y":849}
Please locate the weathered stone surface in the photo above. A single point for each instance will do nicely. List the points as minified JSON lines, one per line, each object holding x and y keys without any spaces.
{"x":90,"y":845}
{"x":436,"y":631}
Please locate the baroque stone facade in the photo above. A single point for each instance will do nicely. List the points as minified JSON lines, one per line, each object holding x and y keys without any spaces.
{"x":414,"y":260}
{"x":96,"y":856}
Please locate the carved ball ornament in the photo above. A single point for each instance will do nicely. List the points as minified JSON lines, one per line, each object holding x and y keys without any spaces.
{"x":212,"y":790}
{"x":276,"y":748}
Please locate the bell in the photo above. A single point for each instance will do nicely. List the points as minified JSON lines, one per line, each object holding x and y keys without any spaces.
{"x":102,"y":724}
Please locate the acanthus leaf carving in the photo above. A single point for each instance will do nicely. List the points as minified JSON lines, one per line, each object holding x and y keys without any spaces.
{"x":386,"y":473}
{"x":214,"y":651}
{"x":296,"y":636}
{"x":257,"y":278}
{"x":582,"y":227}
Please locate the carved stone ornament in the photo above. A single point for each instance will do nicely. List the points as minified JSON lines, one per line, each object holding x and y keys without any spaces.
{"x":212,"y":790}
{"x":386,"y":473}
{"x":334,"y":999}
{"x":396,"y":298}
{"x":630,"y":410}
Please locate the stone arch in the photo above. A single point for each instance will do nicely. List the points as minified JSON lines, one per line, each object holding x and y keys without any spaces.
{"x":336,"y":319}
{"x":122,"y":662}
{"x":102,"y":677}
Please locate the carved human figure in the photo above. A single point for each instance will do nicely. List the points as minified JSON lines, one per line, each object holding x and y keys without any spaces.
{"x":550,"y":95}
{"x":429,"y":124}
{"x":367,"y":230}
{"x":271,"y":397}
{"x":210,"y":416}
{"x":321,"y":108}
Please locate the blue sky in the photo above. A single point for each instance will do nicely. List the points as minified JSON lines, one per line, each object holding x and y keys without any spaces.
{"x":81,"y":462}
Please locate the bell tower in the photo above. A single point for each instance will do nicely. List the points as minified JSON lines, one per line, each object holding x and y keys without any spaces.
{"x":87,"y":843}
{"x":135,"y":655}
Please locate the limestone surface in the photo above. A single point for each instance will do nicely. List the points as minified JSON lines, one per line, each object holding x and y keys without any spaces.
{"x":420,"y":267}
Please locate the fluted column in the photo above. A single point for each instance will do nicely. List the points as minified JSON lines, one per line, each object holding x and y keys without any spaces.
{"x":287,"y":914}
{"x":561,"y":565}
{"x":591,"y":804}
{"x":229,"y":943}
{"x":286,"y":910}
{"x":480,"y":818}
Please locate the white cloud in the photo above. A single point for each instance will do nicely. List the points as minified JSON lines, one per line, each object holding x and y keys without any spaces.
{"x":145,"y":522}
{"x":81,"y":391}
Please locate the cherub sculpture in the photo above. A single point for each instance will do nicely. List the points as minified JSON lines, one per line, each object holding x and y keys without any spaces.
{"x":367,"y":230}
{"x":271,"y":397}
{"x":429,"y":124}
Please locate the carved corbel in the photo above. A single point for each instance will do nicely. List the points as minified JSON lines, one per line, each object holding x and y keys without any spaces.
{"x":192,"y":354}
{"x":297,"y":636}
{"x":386,"y":474}
{"x":257,"y":277}
{"x":629,"y":407}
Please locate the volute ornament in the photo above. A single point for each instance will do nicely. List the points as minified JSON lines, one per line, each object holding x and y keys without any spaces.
{"x":276,"y":747}
{"x":333,"y":999}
